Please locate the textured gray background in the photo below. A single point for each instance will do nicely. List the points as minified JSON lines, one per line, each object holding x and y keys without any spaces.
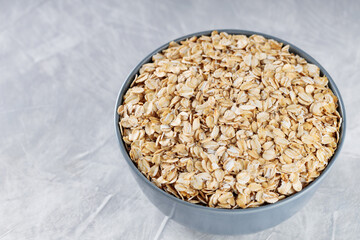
{"x":61,"y":65}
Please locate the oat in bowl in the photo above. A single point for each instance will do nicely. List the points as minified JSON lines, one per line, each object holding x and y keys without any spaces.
{"x":230,"y":120}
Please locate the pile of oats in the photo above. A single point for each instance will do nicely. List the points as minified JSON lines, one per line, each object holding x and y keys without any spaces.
{"x":230,"y":121}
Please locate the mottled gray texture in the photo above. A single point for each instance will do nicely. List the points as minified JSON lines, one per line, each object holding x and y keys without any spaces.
{"x":61,"y":66}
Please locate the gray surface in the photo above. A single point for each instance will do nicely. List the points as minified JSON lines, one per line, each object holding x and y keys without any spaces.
{"x":61,"y":66}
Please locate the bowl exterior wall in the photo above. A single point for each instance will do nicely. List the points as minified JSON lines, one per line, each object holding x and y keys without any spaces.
{"x":225,"y":222}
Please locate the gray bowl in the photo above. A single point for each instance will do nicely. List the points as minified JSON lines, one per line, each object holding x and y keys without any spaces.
{"x":227,"y":221}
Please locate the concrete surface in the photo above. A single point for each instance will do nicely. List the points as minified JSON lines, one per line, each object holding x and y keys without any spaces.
{"x":61,"y":66}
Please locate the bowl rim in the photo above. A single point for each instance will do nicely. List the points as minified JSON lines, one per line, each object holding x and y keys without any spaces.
{"x":294,"y":49}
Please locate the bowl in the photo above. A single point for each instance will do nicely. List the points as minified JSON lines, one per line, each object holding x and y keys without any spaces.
{"x":227,"y":221}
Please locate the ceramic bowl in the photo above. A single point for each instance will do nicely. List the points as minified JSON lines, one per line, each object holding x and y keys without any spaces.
{"x":227,"y":221}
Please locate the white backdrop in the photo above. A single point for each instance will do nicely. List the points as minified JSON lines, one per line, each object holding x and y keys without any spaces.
{"x":61,"y":65}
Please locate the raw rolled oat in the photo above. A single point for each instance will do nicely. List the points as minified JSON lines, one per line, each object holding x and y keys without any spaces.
{"x":230,"y":121}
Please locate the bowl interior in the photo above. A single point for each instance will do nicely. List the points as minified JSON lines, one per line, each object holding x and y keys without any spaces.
{"x":292,"y":49}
